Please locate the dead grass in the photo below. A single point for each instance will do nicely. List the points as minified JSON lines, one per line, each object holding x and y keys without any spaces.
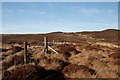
{"x":53,"y":62}
{"x":11,"y":60}
{"x":108,"y":44}
{"x":101,"y":66}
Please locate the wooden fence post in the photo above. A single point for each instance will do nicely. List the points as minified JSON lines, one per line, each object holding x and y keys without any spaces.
{"x":25,"y":52}
{"x":45,"y":45}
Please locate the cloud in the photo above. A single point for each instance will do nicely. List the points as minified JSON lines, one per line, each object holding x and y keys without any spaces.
{"x":90,"y":11}
{"x":93,"y":12}
{"x":9,"y":11}
{"x":50,"y":5}
{"x":96,"y":24}
{"x":66,"y":26}
{"x":8,"y":29}
{"x":78,"y":26}
{"x":33,"y":6}
{"x":21,"y":10}
{"x":39,"y":12}
{"x":110,"y":11}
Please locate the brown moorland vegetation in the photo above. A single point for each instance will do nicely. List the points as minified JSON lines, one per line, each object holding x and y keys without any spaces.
{"x":80,"y":55}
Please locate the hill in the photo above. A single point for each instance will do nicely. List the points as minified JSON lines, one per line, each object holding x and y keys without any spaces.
{"x":109,"y":35}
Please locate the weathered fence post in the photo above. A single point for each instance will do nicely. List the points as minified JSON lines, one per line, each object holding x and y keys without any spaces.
{"x":25,"y":52}
{"x":45,"y":45}
{"x":53,"y":42}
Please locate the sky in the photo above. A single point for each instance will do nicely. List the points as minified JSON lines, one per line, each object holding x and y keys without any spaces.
{"x":60,"y":0}
{"x":45,"y":17}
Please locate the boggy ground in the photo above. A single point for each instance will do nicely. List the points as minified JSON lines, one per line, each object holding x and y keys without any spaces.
{"x":73,"y":61}
{"x":88,"y":58}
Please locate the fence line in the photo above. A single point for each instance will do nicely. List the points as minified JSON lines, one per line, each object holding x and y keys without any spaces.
{"x":25,"y":52}
{"x":45,"y":50}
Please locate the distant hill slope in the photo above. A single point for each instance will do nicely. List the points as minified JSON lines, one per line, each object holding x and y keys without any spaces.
{"x":110,"y":35}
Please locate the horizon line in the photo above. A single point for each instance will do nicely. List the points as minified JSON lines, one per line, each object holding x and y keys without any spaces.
{"x":60,"y":31}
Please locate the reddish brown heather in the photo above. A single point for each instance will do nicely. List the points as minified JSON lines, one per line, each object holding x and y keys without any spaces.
{"x":115,"y":54}
{"x":91,"y":47}
{"x":67,"y":50}
{"x":72,"y":68}
{"x":18,"y":60}
{"x":32,"y":72}
{"x":16,"y":49}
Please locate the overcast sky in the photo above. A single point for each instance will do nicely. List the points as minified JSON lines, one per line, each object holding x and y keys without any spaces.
{"x":44,"y":17}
